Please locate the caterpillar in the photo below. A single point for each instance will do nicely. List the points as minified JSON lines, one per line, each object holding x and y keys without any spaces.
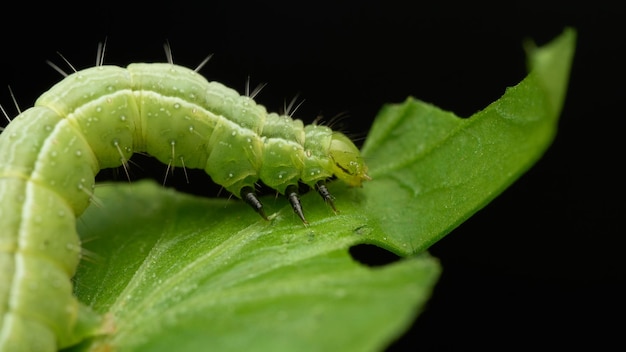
{"x":97,"y":118}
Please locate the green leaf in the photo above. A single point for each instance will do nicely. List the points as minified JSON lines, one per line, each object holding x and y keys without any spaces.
{"x":179,"y":272}
{"x":432,"y":170}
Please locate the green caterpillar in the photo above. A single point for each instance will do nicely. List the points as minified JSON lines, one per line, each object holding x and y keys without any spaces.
{"x":97,"y":118}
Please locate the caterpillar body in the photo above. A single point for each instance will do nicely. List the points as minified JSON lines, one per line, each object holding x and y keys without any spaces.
{"x":97,"y":118}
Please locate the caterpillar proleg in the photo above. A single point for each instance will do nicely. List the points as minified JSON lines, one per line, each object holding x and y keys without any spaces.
{"x":97,"y":118}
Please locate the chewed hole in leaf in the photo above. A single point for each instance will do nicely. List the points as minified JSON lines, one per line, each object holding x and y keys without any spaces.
{"x":371,"y":255}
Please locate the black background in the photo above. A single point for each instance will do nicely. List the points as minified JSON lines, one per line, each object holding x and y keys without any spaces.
{"x":542,"y":265}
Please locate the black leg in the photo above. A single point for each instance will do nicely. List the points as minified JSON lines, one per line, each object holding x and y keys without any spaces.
{"x":294,"y":198}
{"x":328,"y":198}
{"x":248,"y":195}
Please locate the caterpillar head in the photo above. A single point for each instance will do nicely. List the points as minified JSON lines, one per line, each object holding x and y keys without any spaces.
{"x":347,"y":161}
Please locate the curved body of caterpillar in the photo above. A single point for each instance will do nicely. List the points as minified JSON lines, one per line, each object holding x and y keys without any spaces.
{"x":97,"y":118}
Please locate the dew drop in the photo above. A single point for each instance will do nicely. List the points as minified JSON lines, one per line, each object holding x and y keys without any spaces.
{"x":98,"y":109}
{"x":48,"y":128}
{"x":123,"y":117}
{"x":176,"y":106}
{"x":78,"y":153}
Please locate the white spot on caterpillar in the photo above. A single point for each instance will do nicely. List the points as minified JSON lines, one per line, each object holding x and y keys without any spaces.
{"x":72,"y":247}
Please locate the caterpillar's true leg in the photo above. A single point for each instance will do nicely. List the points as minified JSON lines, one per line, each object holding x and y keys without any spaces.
{"x":248,"y":195}
{"x":323,"y":191}
{"x":294,"y":198}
